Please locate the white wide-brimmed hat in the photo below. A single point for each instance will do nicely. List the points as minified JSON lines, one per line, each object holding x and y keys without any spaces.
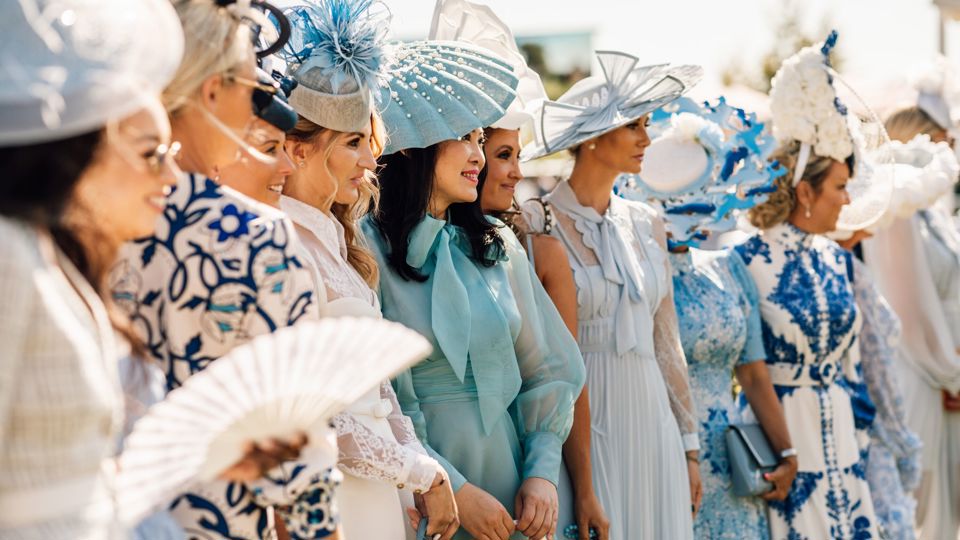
{"x":70,"y":66}
{"x":600,"y":104}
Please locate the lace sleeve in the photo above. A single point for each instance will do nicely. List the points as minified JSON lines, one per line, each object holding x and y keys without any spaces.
{"x":365,"y":454}
{"x":669,"y":353}
{"x":879,"y":340}
{"x":400,"y":424}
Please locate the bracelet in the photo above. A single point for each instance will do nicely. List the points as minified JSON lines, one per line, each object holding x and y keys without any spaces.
{"x":787,"y":453}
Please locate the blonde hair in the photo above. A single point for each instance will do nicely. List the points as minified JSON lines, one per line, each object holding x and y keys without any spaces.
{"x":779,"y":204}
{"x":905,"y":124}
{"x":358,"y":256}
{"x":215,"y":41}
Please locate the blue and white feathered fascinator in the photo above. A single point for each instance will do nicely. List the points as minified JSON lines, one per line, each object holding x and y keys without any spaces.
{"x":600,"y":104}
{"x":337,"y":53}
{"x":706,"y":163}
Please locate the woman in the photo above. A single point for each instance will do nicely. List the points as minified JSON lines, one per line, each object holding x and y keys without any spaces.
{"x":466,"y":21}
{"x":644,"y":454}
{"x":494,"y":401}
{"x":578,"y":503}
{"x":329,"y":191}
{"x":715,"y":297}
{"x":810,"y":320}
{"x":916,"y":262}
{"x":221,"y":268}
{"x":78,"y":181}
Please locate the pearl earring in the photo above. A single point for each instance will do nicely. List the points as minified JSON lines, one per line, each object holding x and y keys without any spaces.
{"x":806,"y":212}
{"x":302,"y":164}
{"x":592,"y":146}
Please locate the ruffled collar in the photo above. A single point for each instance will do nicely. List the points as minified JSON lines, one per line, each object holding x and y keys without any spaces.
{"x":327,"y":229}
{"x":789,"y":236}
{"x":607,"y":235}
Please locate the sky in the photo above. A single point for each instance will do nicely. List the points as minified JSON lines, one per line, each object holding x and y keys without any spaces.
{"x":880,"y":40}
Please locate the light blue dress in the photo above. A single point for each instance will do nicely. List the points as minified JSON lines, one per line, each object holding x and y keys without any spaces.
{"x":810,"y":325}
{"x":494,"y":401}
{"x":893,"y":463}
{"x":719,"y":328}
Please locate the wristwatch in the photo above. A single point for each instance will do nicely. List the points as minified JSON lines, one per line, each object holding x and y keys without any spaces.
{"x":787,"y":452}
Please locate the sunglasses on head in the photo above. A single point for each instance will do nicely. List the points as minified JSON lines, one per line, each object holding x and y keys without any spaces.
{"x":265,"y":43}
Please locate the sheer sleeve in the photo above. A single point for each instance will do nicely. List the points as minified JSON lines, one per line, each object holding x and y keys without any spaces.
{"x":407,"y":397}
{"x":18,"y":289}
{"x":897,"y":260}
{"x":365,"y":454}
{"x":551,"y":369}
{"x":879,"y":340}
{"x":669,"y":353}
{"x":400,"y":424}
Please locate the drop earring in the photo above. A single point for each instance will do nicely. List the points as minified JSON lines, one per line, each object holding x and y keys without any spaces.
{"x":806,"y":211}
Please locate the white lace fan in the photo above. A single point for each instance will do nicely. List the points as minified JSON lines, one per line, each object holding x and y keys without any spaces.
{"x":292,"y":380}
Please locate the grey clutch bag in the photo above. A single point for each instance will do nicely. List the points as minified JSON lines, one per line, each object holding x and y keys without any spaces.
{"x":750,"y":456}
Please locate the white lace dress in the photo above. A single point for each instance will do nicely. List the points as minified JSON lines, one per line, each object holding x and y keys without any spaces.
{"x":382,"y":459}
{"x":642,"y":413}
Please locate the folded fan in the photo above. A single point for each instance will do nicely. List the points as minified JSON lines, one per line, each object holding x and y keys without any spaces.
{"x":292,"y":380}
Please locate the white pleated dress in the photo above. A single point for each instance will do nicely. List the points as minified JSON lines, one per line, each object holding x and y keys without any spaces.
{"x":636,"y":372}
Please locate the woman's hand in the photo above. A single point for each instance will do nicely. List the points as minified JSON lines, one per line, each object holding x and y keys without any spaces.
{"x":261,"y":456}
{"x":439,"y":506}
{"x":590,"y":514}
{"x":536,"y":508}
{"x":696,"y":488}
{"x":482,"y":515}
{"x":781,"y":478}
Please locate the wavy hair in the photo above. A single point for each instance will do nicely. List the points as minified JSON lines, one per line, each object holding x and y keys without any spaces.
{"x":349,"y":215}
{"x":779,"y":204}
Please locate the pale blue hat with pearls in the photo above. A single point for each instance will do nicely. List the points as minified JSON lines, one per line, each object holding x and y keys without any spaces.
{"x":441,"y":90}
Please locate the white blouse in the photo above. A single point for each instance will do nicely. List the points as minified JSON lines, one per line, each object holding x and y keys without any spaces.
{"x":61,"y":405}
{"x":362,"y":453}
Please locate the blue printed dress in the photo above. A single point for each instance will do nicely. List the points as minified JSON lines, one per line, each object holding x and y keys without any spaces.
{"x":219,"y":270}
{"x":719,"y":329}
{"x":493,"y":403}
{"x":810,"y":328}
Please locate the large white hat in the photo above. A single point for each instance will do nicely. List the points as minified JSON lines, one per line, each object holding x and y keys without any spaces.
{"x":599,"y":104}
{"x":70,"y":66}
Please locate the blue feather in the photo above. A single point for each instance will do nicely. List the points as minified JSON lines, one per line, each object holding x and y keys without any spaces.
{"x":346,"y":38}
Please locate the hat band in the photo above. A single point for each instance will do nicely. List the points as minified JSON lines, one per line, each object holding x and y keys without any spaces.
{"x":345,"y":113}
{"x":801,"y":163}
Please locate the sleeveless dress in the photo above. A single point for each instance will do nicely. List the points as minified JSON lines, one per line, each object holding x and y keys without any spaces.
{"x":493,"y":403}
{"x":640,"y":398}
{"x":810,"y":327}
{"x":720,"y":329}
{"x":379,"y":453}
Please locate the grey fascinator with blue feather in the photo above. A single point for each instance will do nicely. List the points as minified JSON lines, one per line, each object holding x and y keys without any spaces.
{"x":337,"y":53}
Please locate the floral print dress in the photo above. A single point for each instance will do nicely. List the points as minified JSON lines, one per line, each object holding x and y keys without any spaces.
{"x":719,"y":329}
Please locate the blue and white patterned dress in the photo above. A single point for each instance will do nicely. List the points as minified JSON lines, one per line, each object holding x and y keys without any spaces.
{"x":810,"y":328}
{"x":719,"y":329}
{"x":219,"y":270}
{"x":893,"y":466}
